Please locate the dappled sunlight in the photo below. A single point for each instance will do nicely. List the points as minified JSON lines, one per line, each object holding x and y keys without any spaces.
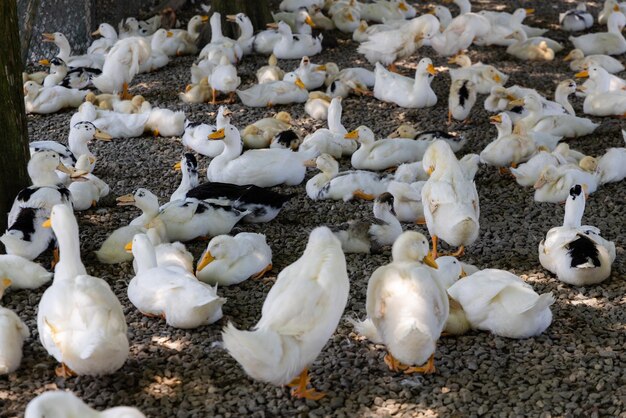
{"x":177,"y":345}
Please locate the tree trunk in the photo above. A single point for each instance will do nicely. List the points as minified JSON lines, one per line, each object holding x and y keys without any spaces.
{"x":14,"y":145}
{"x":257,"y":10}
{"x":32,"y":6}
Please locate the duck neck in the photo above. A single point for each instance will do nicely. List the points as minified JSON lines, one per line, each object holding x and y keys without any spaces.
{"x":70,"y":264}
{"x":144,"y":253}
{"x":247,"y":31}
{"x":574,"y":209}
{"x":64,"y":49}
{"x":334,"y":118}
{"x":232,"y":150}
{"x":504,"y":128}
{"x":77,"y":144}
{"x":216,"y":30}
{"x":43,"y":177}
{"x":562,"y":98}
{"x":464,"y":5}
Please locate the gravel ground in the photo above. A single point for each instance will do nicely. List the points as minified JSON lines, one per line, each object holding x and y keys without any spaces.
{"x":574,"y":369}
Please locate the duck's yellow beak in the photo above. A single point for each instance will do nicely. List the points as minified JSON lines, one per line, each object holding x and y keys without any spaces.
{"x":177,"y":166}
{"x":431,"y":12}
{"x":231,"y":18}
{"x":206,"y":259}
{"x":188,"y":87}
{"x":569,"y":56}
{"x":101,"y":135}
{"x":48,"y":37}
{"x":128,"y":247}
{"x":352,"y":135}
{"x":44,"y":62}
{"x":430,"y":261}
{"x":272,"y":25}
{"x":170,"y":34}
{"x":495,"y":119}
{"x":126,"y":200}
{"x":47,"y":223}
{"x":430,"y":170}
{"x":204,"y":18}
{"x":299,"y":83}
{"x":497,"y":78}
{"x":96,"y":33}
{"x":463,"y":273}
{"x":582,"y":74}
{"x":529,"y":11}
{"x":517,"y":102}
{"x":309,"y":21}
{"x":320,"y":68}
{"x":63,"y":169}
{"x":219,"y":134}
{"x":403,"y":7}
{"x":6,"y":282}
{"x":310,"y":163}
{"x":349,"y":17}
{"x":615,"y":9}
{"x":581,"y":88}
{"x":431,"y":69}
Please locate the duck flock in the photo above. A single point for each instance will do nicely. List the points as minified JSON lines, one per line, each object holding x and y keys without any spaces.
{"x":408,"y":194}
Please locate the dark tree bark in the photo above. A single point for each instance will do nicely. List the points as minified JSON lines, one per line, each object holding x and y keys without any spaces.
{"x":257,"y":10}
{"x":29,"y":21}
{"x":14,"y":144}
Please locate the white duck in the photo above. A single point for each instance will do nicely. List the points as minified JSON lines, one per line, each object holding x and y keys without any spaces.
{"x":331,"y":141}
{"x":80,"y":320}
{"x":611,"y":167}
{"x":407,"y":306}
{"x":170,"y":292}
{"x":220,"y":45}
{"x":508,"y":149}
{"x":102,"y":45}
{"x":404,"y":91}
{"x":460,"y":33}
{"x":20,"y":273}
{"x":265,"y":41}
{"x":345,"y":185}
{"x":273,"y":93}
{"x":231,"y":260}
{"x":13,"y":332}
{"x":183,"y":42}
{"x":295,"y":47}
{"x":44,"y":100}
{"x":369,"y":235}
{"x":580,"y":62}
{"x":117,"y":125}
{"x":299,"y":315}
{"x":485,"y":77}
{"x":168,"y":254}
{"x":263,"y":167}
{"x":65,"y":52}
{"x":311,"y":75}
{"x":461,"y":99}
{"x":601,"y":101}
{"x":270,"y":72}
{"x":165,"y":122}
{"x":407,"y":200}
{"x":246,"y":32}
{"x":196,"y":134}
{"x":576,"y":19}
{"x":188,"y":166}
{"x":577,"y":254}
{"x":533,"y":49}
{"x":224,"y":79}
{"x":122,"y":64}
{"x":554,"y":183}
{"x":87,"y":189}
{"x":526,"y":174}
{"x":66,"y":404}
{"x":384,"y":153}
{"x":317,"y":105}
{"x":609,"y":43}
{"x":502,"y":303}
{"x":451,"y":206}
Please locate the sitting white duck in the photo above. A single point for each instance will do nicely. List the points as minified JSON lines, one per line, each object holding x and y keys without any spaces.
{"x":532,"y":49}
{"x":265,"y":41}
{"x":611,"y":167}
{"x":165,"y":122}
{"x":20,"y":273}
{"x":287,"y":91}
{"x":407,"y":200}
{"x":577,"y":19}
{"x":311,"y":75}
{"x":577,"y":254}
{"x":404,"y":91}
{"x":231,"y":260}
{"x":580,"y":62}
{"x":369,"y":235}
{"x":117,"y":125}
{"x":13,"y":332}
{"x":331,"y":141}
{"x":270,"y":72}
{"x":611,"y":42}
{"x":87,"y":189}
{"x":95,"y":344}
{"x":503,"y":304}
{"x":196,"y":134}
{"x":508,"y":149}
{"x":292,"y":46}
{"x":170,"y":292}
{"x":450,"y":199}
{"x":299,"y":315}
{"x":44,"y":100}
{"x":554,"y":183}
{"x":345,"y":185}
{"x":262,"y":167}
{"x":602,"y":101}
{"x":317,"y":105}
{"x":485,"y":77}
{"x":67,"y":404}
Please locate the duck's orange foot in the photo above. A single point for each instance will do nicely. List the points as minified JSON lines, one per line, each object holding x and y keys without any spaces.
{"x":300,"y":390}
{"x":427,"y":368}
{"x":65,"y":372}
{"x":362,"y":195}
{"x":262,"y":272}
{"x":393,"y":364}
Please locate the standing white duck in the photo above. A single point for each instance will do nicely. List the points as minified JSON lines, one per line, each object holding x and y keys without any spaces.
{"x":231,"y":260}
{"x":576,"y":253}
{"x":407,"y":305}
{"x":450,"y":200}
{"x":300,"y":313}
{"x":224,"y":79}
{"x":502,"y":303}
{"x":404,"y":91}
{"x":262,"y":167}
{"x":80,"y":320}
{"x":170,"y":292}
{"x":66,"y":404}
{"x":13,"y":332}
